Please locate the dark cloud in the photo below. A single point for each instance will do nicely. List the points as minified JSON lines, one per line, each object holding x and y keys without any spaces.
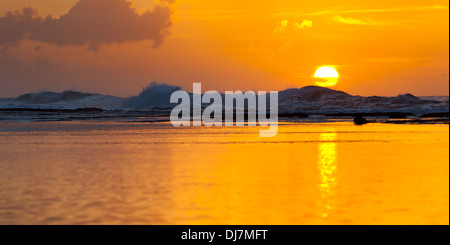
{"x":89,"y":22}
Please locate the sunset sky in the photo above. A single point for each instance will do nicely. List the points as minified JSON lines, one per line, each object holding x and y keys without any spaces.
{"x":381,"y":47}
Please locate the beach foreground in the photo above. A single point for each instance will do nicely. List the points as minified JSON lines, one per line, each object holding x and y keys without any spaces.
{"x":140,"y":173}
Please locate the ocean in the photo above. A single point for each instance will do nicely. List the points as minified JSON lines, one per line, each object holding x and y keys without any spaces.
{"x":112,"y":172}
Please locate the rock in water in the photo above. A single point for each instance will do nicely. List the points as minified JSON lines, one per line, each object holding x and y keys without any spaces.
{"x":360,"y":120}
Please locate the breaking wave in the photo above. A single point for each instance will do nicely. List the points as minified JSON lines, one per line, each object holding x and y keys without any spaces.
{"x":154,"y":95}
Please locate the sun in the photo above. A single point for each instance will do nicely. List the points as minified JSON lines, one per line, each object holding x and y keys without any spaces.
{"x":326,"y":76}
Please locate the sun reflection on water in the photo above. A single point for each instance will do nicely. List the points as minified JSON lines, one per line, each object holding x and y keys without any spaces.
{"x":328,"y":168}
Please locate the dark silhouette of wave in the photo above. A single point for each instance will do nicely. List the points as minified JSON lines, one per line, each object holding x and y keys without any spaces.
{"x":51,"y":97}
{"x":154,"y":95}
{"x":292,"y":102}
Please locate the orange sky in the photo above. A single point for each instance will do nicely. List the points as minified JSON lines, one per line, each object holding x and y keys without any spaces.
{"x":378,"y":47}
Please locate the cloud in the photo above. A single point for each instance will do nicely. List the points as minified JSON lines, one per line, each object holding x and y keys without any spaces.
{"x":282,"y":27}
{"x":416,"y":8}
{"x":303,"y":25}
{"x":345,"y":11}
{"x":89,"y":22}
{"x":366,"y":22}
{"x":398,"y":60}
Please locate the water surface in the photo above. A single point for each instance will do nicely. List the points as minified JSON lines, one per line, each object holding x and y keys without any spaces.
{"x":136,"y":173}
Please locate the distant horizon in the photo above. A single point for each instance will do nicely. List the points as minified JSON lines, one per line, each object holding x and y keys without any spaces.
{"x":173,"y":85}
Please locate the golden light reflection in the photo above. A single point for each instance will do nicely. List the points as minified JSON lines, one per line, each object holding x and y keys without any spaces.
{"x":244,"y":184}
{"x":327,"y":167}
{"x":196,"y":176}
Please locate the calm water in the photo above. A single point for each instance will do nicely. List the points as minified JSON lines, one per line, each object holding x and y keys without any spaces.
{"x":330,"y":173}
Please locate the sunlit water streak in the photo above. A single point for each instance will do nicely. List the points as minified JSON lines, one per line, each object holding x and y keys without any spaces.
{"x":137,"y":173}
{"x":327,"y":167}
